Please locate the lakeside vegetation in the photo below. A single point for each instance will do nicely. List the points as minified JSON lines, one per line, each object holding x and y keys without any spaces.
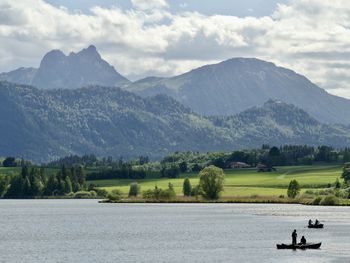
{"x":246,"y":185}
{"x":288,"y":174}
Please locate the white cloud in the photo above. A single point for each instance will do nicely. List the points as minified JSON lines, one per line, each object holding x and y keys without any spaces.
{"x":149,"y":4}
{"x":309,"y":36}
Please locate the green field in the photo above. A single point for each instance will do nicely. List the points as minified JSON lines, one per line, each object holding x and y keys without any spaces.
{"x":244,"y":182}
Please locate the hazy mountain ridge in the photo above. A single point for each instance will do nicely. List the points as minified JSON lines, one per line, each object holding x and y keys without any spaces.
{"x":237,"y":84}
{"x":58,"y":71}
{"x":46,"y":124}
{"x":223,"y":89}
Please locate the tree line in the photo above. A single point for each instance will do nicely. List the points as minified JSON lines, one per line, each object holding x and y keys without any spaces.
{"x":34,"y":182}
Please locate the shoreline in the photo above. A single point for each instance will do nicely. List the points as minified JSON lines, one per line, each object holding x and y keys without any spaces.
{"x":307,"y":202}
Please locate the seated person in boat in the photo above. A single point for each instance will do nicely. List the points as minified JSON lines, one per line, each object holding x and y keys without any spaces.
{"x":302,"y":241}
{"x":310,"y":222}
{"x":317,"y":222}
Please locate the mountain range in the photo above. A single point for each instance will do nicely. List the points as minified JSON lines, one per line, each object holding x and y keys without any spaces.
{"x":79,"y":104}
{"x":43,"y":125}
{"x":237,"y":84}
{"x":220,"y":89}
{"x":58,"y":71}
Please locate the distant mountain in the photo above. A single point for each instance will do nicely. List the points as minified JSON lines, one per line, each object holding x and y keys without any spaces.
{"x":21,"y":75}
{"x":42,"y":125}
{"x":278,"y":123}
{"x":237,"y":84}
{"x":68,"y":72}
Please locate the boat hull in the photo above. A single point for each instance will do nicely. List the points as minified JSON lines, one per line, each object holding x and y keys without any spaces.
{"x":315,"y":226}
{"x":306,"y":246}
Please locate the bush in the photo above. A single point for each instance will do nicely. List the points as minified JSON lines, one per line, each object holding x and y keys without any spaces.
{"x":85,"y":194}
{"x":316,"y":201}
{"x":134,"y":189}
{"x":329,"y":200}
{"x":195,"y":191}
{"x":160,"y":194}
{"x":115,"y":195}
{"x":101,"y":192}
{"x":310,"y":192}
{"x":281,"y":196}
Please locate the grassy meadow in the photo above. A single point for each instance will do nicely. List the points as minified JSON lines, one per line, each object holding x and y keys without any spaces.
{"x":244,"y":182}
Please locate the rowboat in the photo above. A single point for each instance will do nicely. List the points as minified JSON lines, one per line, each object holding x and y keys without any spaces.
{"x":315,"y":226}
{"x":299,"y":246}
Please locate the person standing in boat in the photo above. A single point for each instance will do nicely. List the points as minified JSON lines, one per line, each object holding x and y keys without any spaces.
{"x":294,"y":237}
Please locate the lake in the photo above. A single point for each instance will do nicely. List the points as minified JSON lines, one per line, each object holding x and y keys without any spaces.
{"x":86,"y":231}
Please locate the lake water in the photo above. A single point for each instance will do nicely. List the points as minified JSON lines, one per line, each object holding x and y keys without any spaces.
{"x":86,"y":231}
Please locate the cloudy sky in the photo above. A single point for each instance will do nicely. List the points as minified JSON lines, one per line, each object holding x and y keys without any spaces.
{"x":168,"y":37}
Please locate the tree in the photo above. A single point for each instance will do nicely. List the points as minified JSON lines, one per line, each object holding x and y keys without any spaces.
{"x":187,"y":188}
{"x":346,"y":173}
{"x":274,"y":151}
{"x":134,"y":189}
{"x":68,"y":185}
{"x":211,"y":182}
{"x":15,"y":189}
{"x":51,"y":186}
{"x":337,"y":184}
{"x":293,"y":189}
{"x":183,"y":167}
{"x":3,"y":185}
{"x":9,"y":162}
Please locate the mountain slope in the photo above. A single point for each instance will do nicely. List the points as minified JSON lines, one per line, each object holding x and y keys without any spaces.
{"x":73,"y":71}
{"x":21,"y":75}
{"x":42,"y":125}
{"x":278,"y":123}
{"x":237,"y":84}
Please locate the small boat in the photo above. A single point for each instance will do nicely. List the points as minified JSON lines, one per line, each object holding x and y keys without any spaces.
{"x":299,"y":246}
{"x":315,"y":226}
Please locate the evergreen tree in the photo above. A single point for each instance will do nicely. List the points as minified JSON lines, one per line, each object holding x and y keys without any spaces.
{"x":81,"y":177}
{"x":51,"y":186}
{"x":68,"y":185}
{"x":27,"y":187}
{"x":346,"y":173}
{"x":183,"y":167}
{"x":15,"y":189}
{"x":187,"y":188}
{"x":3,"y":185}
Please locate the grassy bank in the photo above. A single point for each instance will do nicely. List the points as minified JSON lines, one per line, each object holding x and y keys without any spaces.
{"x":245,"y":184}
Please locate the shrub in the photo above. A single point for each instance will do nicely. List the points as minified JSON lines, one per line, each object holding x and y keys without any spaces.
{"x":115,"y":195}
{"x":85,"y":194}
{"x":316,"y":201}
{"x":101,"y":192}
{"x":329,"y":200}
{"x":281,"y":196}
{"x":160,"y":194}
{"x":134,"y":189}
{"x":311,"y":192}
{"x":195,"y":191}
{"x":337,"y":184}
